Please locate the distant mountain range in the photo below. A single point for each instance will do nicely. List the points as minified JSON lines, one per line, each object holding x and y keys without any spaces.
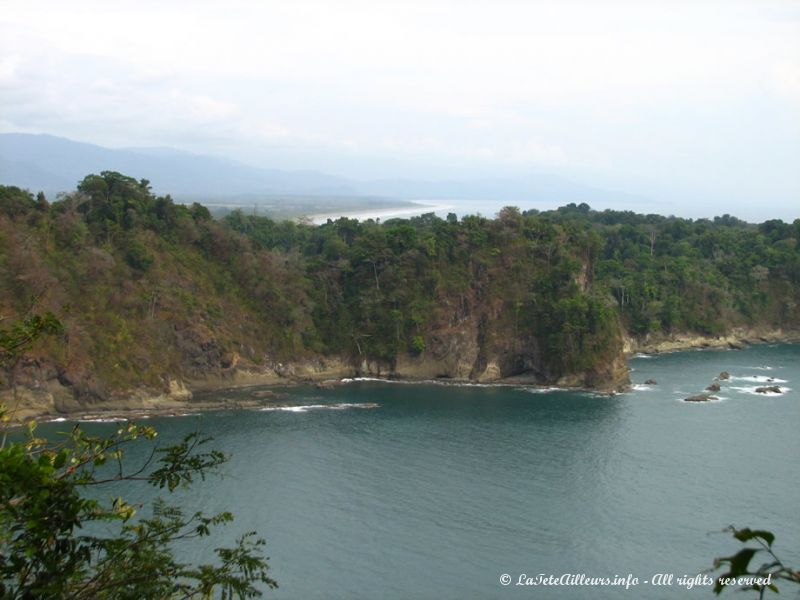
{"x":53,"y":164}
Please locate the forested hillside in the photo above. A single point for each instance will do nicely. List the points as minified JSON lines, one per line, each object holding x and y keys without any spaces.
{"x":152,"y":293}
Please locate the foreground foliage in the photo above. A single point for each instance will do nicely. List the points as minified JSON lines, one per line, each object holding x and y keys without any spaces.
{"x":58,"y":540}
{"x":744,"y":576}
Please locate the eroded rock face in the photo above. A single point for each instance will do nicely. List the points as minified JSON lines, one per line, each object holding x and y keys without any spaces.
{"x":481,"y":351}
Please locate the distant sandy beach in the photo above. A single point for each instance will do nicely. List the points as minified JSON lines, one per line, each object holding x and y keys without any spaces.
{"x":383,"y":213}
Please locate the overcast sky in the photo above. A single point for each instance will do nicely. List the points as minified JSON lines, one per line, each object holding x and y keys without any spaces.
{"x":691,"y":103}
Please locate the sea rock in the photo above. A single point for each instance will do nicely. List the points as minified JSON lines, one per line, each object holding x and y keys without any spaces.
{"x":651,"y":382}
{"x":771,"y":389}
{"x":328,"y":384}
{"x":724,"y":375}
{"x":264,"y":394}
{"x":714,"y":387}
{"x":700,"y":398}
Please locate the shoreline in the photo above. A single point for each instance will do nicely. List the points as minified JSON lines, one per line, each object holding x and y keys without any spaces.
{"x":264,"y":385}
{"x":738,"y":339}
{"x":383,"y":213}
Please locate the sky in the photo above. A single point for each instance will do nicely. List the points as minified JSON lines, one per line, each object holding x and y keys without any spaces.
{"x":694,"y":105}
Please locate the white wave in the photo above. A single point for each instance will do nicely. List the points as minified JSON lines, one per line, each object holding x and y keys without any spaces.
{"x":642,"y":355}
{"x":543,"y":390}
{"x":301,"y":408}
{"x":764,"y":368}
{"x":641,"y":387}
{"x":443,"y":381}
{"x":752,"y":390}
{"x":58,"y":420}
{"x":759,"y":379}
{"x":102,"y":420}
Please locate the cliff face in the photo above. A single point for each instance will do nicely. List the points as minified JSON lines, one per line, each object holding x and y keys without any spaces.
{"x":486,"y":350}
{"x":158,"y":298}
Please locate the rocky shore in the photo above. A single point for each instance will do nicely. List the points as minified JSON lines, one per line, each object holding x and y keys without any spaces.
{"x":456,"y":359}
{"x":737,"y":339}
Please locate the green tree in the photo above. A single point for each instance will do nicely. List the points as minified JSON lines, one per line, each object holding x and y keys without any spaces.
{"x":50,"y":544}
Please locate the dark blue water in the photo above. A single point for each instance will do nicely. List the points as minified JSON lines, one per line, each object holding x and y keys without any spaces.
{"x":439,"y":490}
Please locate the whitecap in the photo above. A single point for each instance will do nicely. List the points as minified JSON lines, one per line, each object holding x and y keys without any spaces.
{"x":759,"y":379}
{"x":543,"y":390}
{"x":301,"y":408}
{"x":752,"y":390}
{"x":641,"y":387}
{"x":642,"y":355}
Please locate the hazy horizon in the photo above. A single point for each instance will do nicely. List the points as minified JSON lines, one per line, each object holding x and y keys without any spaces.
{"x":690,"y":106}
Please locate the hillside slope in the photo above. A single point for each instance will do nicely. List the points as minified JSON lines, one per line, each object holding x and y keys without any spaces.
{"x":156,"y":296}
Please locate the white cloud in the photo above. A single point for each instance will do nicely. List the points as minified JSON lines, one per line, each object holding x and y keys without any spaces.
{"x":611,"y":85}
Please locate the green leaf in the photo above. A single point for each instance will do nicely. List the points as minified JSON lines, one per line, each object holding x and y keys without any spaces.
{"x":60,"y":459}
{"x":747,"y":534}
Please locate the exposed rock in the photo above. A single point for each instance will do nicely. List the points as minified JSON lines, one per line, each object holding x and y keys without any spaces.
{"x":264,"y":394}
{"x":714,"y":387}
{"x":736,"y":338}
{"x":724,"y":376}
{"x":771,"y":389}
{"x":328,"y":384}
{"x":700,"y":398}
{"x":491,"y":373}
{"x":736,"y":345}
{"x":651,"y":382}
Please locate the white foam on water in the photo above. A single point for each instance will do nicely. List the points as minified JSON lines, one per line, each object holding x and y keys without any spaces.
{"x":641,"y":387}
{"x":642,"y":355}
{"x":301,"y":408}
{"x":763,"y":368}
{"x":543,"y":390}
{"x":443,"y":382}
{"x":752,"y":391}
{"x":759,"y":379}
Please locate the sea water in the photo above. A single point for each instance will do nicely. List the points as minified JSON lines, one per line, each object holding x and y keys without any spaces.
{"x":402,"y":491}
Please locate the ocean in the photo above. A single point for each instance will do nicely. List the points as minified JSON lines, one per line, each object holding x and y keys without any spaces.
{"x":403,"y":491}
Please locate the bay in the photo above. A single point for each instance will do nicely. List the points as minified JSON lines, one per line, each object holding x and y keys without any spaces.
{"x":395,"y":490}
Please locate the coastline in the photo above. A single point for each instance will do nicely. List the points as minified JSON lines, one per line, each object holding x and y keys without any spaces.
{"x":383,"y":213}
{"x":738,"y":339}
{"x":180,"y":399}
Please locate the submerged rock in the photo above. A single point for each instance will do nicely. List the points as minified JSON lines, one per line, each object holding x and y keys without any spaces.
{"x":700,"y":398}
{"x":771,"y":389}
{"x":651,"y":382}
{"x":328,"y":384}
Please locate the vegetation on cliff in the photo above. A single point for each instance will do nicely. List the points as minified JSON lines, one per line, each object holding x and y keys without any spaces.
{"x":52,"y":544}
{"x":149,"y":290}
